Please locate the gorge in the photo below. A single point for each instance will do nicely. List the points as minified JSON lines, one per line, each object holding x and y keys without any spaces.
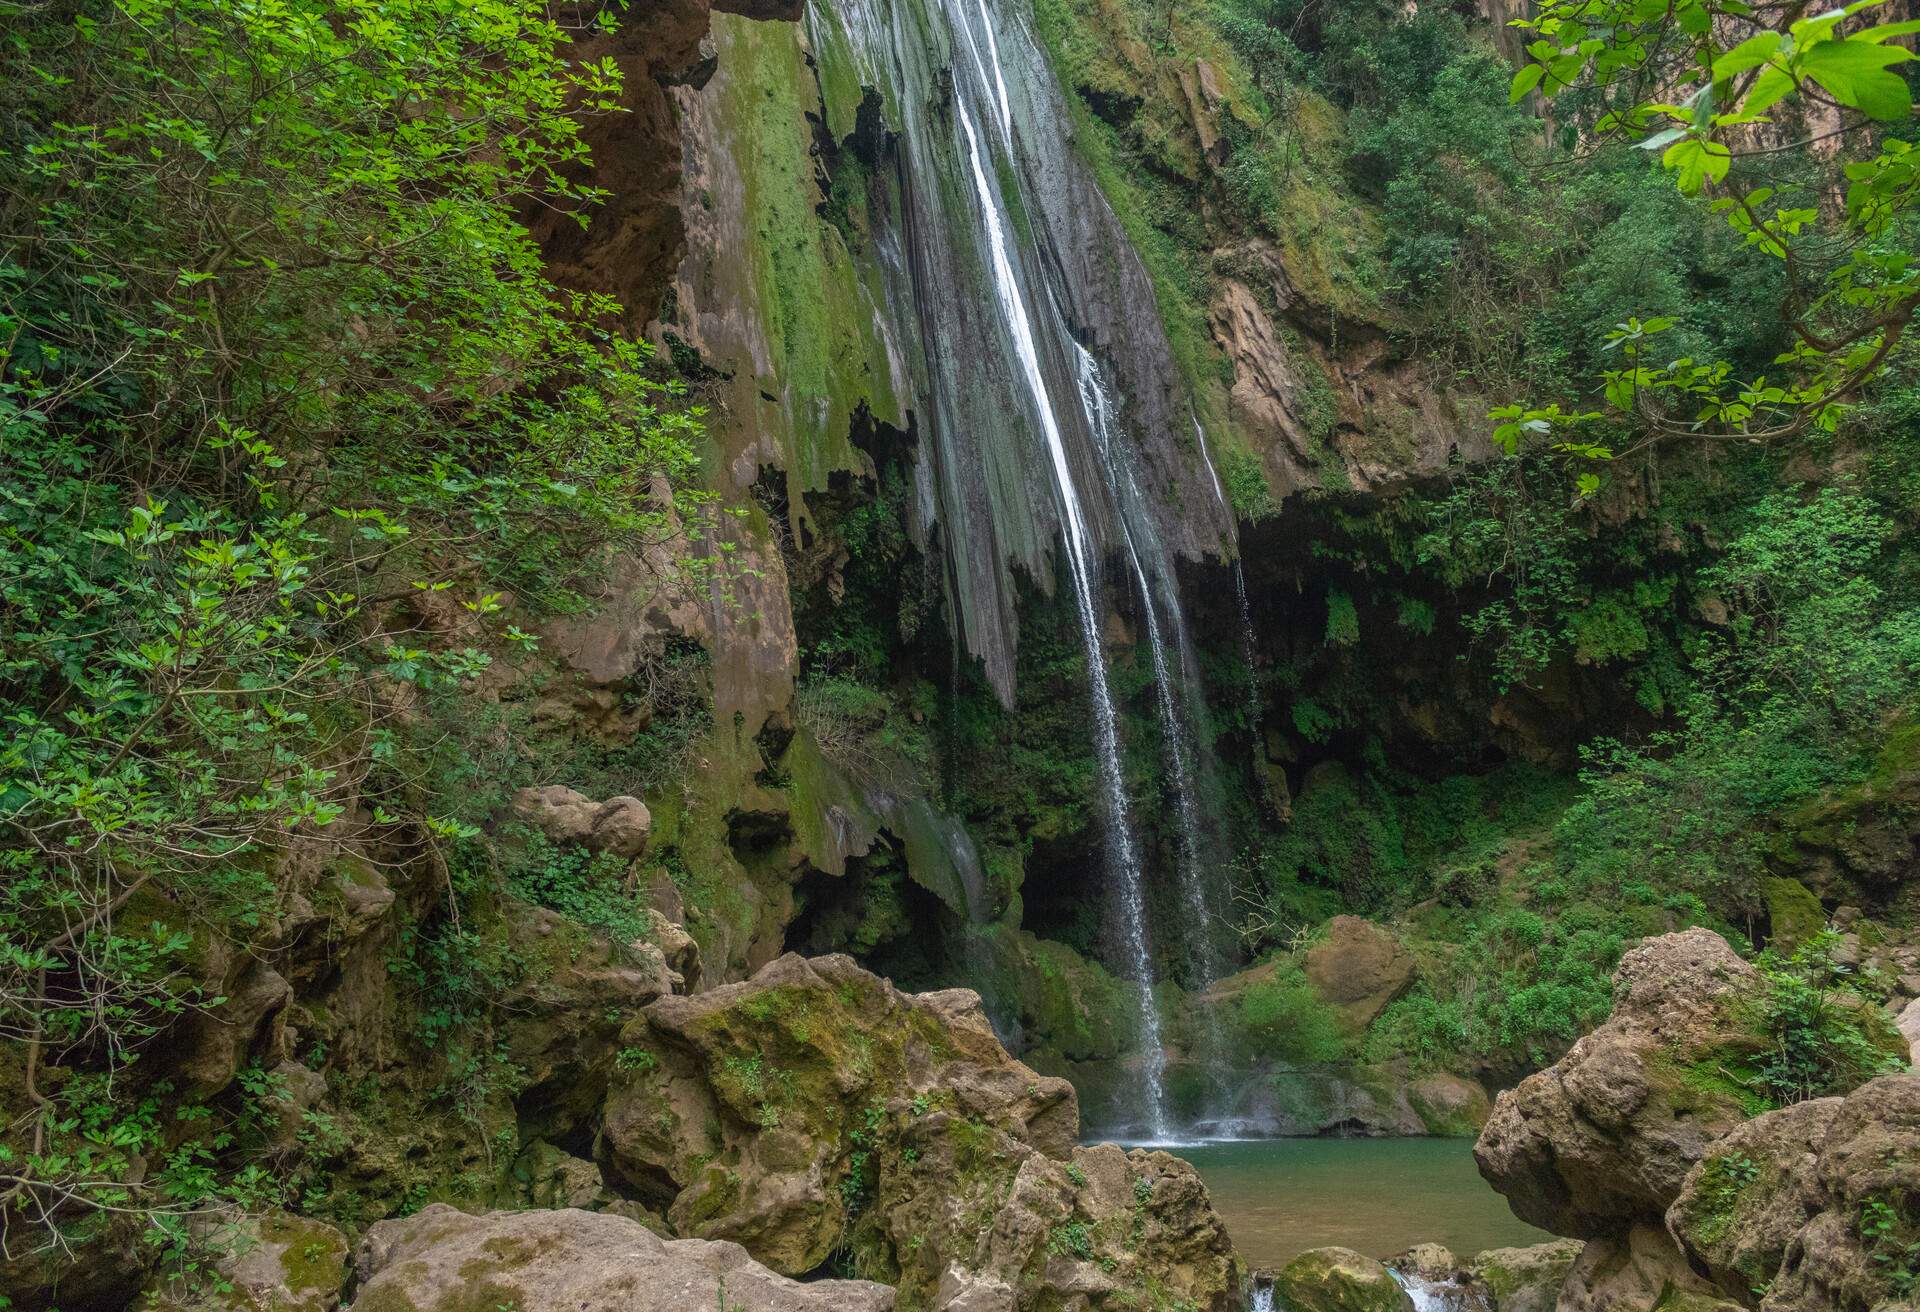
{"x":771,"y":656}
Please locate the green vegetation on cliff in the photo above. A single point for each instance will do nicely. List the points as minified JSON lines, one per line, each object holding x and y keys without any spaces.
{"x":296,"y":437}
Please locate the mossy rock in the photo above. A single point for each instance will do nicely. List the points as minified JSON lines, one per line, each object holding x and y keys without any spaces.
{"x":1794,"y":914}
{"x":1339,"y":1280}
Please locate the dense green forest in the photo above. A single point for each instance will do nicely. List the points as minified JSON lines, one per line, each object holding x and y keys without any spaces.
{"x":356,"y":535}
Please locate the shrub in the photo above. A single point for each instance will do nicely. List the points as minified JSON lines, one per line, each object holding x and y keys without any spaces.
{"x":1282,"y":1019}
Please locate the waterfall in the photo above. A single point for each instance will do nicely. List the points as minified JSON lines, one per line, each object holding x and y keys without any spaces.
{"x":1178,"y":731}
{"x":1122,"y":851}
{"x":1001,"y":256}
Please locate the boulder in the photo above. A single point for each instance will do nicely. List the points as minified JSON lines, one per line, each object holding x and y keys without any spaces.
{"x":1339,"y":1280}
{"x":280,"y":1261}
{"x":1450,"y":1104}
{"x":1602,"y":1140}
{"x":1430,"y":1262}
{"x":1811,"y":1203}
{"x":1358,"y":969}
{"x":620,"y":826}
{"x":445,"y":1260}
{"x":816,"y":1107}
{"x":1525,"y":1279}
{"x":1908,"y":1023}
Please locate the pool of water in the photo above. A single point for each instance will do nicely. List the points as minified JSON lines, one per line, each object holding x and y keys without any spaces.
{"x":1280,"y":1197}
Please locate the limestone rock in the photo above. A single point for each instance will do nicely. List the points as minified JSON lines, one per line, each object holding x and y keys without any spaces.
{"x":547,"y":1176}
{"x":1339,"y":1280}
{"x":279,"y":1261}
{"x":1909,"y":1027}
{"x":1525,"y":1279}
{"x":815,"y":1105}
{"x":561,"y":1024}
{"x":1780,"y":1202}
{"x":677,"y":949}
{"x":1630,"y":1272}
{"x":444,"y":1260}
{"x":1428,"y":1262}
{"x":1358,"y":969}
{"x":620,"y":826}
{"x":1604,"y":1137}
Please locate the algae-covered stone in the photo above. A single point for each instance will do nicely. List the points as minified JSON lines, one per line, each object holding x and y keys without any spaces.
{"x":1525,"y":1279}
{"x":444,"y":1260}
{"x":1339,"y":1280}
{"x":1794,"y":914}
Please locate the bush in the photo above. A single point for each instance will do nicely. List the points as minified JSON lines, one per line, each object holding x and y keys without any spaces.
{"x":1820,"y":1036}
{"x":1282,"y":1019}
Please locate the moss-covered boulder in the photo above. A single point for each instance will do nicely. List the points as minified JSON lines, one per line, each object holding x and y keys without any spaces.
{"x":276,"y":1262}
{"x":1794,"y":914}
{"x":816,"y":1108}
{"x":1339,"y":1280}
{"x":1524,"y":1279}
{"x":444,"y":1260}
{"x":1359,"y":968}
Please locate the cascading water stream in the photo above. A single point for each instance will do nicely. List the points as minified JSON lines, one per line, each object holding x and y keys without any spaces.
{"x":1125,"y":858}
{"x":1175,"y":731}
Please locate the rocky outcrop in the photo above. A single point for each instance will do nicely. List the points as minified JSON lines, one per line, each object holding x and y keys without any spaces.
{"x":445,"y":1260}
{"x":1339,"y":1280}
{"x":1635,"y":1270}
{"x":1358,"y":969}
{"x":816,"y":1107}
{"x":1602,"y":1139}
{"x":1814,"y":1204}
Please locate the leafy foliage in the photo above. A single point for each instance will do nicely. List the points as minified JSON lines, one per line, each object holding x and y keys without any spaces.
{"x":1850,"y":284}
{"x":291,"y":422}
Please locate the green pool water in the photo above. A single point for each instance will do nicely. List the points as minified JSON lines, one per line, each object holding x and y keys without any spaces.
{"x":1280,"y":1197}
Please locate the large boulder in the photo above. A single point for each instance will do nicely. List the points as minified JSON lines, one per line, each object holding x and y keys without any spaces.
{"x":444,"y":1260}
{"x":1359,"y":968}
{"x":816,"y":1107}
{"x":1602,"y":1140}
{"x":1635,"y":1270}
{"x":1812,"y":1203}
{"x":1339,"y":1280}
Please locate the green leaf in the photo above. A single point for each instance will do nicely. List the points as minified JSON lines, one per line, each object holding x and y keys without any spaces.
{"x":1855,"y":73}
{"x":1751,"y":53}
{"x":1524,"y":81}
{"x":1697,"y":162}
{"x":1768,"y":90}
